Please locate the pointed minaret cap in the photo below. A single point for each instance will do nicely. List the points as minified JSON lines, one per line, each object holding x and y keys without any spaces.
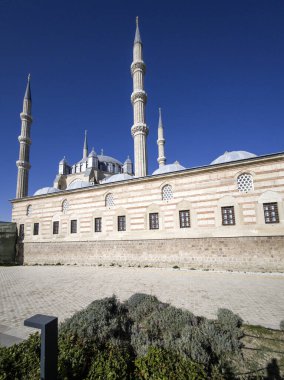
{"x":137,"y":33}
{"x":85,"y":149}
{"x":160,"y":125}
{"x":28,"y":89}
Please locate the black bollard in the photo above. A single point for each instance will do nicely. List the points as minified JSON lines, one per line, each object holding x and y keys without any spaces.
{"x":49,"y":344}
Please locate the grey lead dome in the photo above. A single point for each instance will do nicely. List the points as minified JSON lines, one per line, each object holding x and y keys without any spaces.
{"x":233,"y":156}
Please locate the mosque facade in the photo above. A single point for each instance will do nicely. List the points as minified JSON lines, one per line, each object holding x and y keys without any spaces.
{"x":227,"y":215}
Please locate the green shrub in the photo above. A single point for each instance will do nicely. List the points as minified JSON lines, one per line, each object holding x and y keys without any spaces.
{"x":112,"y":340}
{"x":112,"y":363}
{"x":103,"y":321}
{"x":228,"y":319}
{"x":74,"y":357}
{"x":160,"y":364}
{"x":282,"y":325}
{"x":21,"y":361}
{"x":161,"y":328}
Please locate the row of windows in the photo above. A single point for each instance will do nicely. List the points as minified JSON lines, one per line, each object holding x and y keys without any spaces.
{"x":271,"y":215}
{"x":244,"y":184}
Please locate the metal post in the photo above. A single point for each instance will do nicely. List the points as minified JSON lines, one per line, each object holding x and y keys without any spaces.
{"x":49,"y":345}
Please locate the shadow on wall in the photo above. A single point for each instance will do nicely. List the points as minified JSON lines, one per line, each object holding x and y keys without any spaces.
{"x":273,"y":371}
{"x":8,"y":240}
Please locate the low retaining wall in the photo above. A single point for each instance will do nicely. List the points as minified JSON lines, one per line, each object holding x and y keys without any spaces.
{"x":236,"y":253}
{"x":8,"y":237}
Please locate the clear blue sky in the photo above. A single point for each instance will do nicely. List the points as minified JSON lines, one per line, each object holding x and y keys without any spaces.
{"x":215,"y":67}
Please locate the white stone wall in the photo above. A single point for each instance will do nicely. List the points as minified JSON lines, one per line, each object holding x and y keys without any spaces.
{"x":203,"y":191}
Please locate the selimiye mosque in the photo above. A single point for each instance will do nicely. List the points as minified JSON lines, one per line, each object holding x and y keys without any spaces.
{"x":226,"y":215}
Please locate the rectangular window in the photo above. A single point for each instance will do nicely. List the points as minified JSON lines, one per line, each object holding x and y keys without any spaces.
{"x":184,"y":219}
{"x":271,"y":214}
{"x":98,"y":224}
{"x":55,"y":228}
{"x":154,"y":221}
{"x":73,"y":229}
{"x":36,"y":228}
{"x":121,"y":223}
{"x":228,"y":216}
{"x":22,"y":231}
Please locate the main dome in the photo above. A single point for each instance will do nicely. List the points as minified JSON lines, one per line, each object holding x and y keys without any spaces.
{"x":78,"y":184}
{"x":117,"y":177}
{"x":46,"y":190}
{"x":175,"y":167}
{"x":233,"y":156}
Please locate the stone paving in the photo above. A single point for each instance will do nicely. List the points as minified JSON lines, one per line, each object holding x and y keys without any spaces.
{"x":62,"y":290}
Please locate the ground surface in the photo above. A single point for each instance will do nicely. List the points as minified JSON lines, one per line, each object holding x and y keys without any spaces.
{"x":62,"y":290}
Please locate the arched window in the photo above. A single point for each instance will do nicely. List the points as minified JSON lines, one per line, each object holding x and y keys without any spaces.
{"x":109,"y":200}
{"x":29,"y":210}
{"x":245,"y":183}
{"x":167,"y":193}
{"x":65,"y":206}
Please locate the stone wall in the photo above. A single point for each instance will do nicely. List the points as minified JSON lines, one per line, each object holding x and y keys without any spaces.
{"x":232,"y":253}
{"x":8,"y":236}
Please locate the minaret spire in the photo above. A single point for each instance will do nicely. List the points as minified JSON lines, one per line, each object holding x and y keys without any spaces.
{"x":85,"y":148}
{"x":161,"y":141}
{"x":23,"y":163}
{"x":139,"y":129}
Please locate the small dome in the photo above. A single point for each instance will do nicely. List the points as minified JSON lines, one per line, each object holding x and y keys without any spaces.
{"x":175,"y":167}
{"x":117,"y":177}
{"x":127,"y":161}
{"x":78,"y":185}
{"x":108,"y":159}
{"x":233,"y":156}
{"x":63,"y":161}
{"x":92,"y":153}
{"x":46,"y":190}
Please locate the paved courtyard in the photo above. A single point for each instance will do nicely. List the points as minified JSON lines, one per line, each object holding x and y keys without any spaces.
{"x":63,"y":290}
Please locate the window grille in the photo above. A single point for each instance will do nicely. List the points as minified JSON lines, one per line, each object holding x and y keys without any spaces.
{"x":65,"y":206}
{"x":271,"y":214}
{"x":36,"y":228}
{"x":167,"y":193}
{"x":245,"y":183}
{"x":29,"y":210}
{"x":98,"y":224}
{"x":121,"y":223}
{"x":109,"y":200}
{"x":184,"y":219}
{"x":228,"y":216}
{"x":154,"y":221}
{"x":73,"y":229}
{"x":55,"y":228}
{"x":22,"y":231}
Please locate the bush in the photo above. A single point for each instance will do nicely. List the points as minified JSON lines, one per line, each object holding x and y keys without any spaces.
{"x":162,"y":364}
{"x":102,"y":321}
{"x":142,"y":338}
{"x":112,"y":363}
{"x":21,"y":361}
{"x":228,"y":319}
{"x":282,"y":325}
{"x":74,"y":357}
{"x":161,"y":328}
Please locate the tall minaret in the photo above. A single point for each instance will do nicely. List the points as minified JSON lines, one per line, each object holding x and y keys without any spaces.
{"x":23,"y":163}
{"x":161,"y":141}
{"x":85,"y":148}
{"x":139,"y":129}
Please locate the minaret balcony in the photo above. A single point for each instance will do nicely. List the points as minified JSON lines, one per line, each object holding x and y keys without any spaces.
{"x":139,"y":95}
{"x":138,"y":66}
{"x":24,"y":140}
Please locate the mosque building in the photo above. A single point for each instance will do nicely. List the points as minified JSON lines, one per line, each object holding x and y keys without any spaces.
{"x":227,"y":215}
